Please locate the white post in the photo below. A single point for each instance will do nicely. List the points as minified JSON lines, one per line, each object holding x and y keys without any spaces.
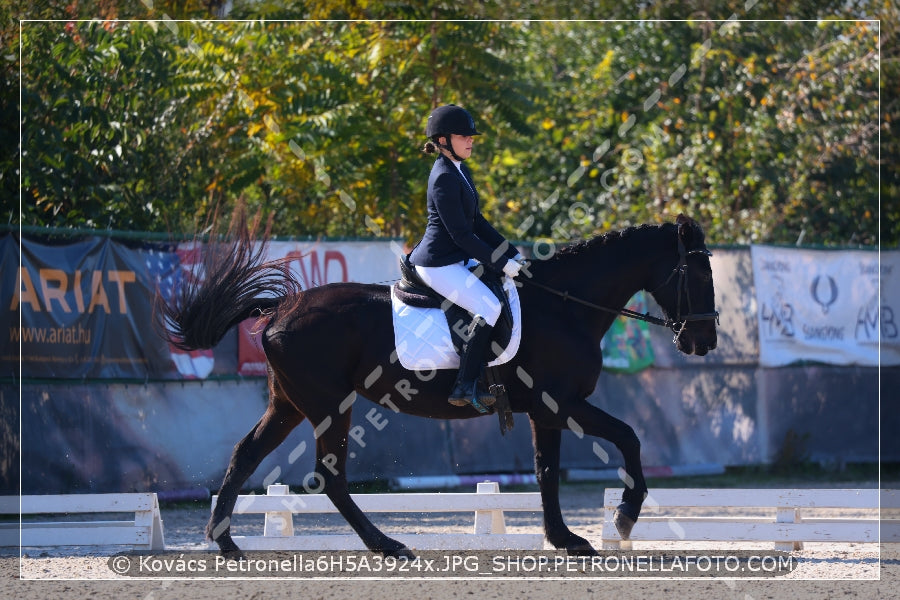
{"x":152,"y":520}
{"x":278,"y":524}
{"x":788,"y":515}
{"x":489,"y":521}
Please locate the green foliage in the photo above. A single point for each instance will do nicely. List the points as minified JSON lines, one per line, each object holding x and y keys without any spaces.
{"x":765,"y":131}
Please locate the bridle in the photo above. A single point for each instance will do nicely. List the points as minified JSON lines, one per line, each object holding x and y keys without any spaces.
{"x":677,"y":323}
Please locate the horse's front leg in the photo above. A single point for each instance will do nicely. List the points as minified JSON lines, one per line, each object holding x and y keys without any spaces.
{"x":598,"y":423}
{"x":546,"y":467}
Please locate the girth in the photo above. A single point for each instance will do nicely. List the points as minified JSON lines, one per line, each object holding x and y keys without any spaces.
{"x":413,"y":291}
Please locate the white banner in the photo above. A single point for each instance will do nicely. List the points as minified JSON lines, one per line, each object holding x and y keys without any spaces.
{"x":317,"y":263}
{"x":824,"y":306}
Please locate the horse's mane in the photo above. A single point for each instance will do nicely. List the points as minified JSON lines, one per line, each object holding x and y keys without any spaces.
{"x":583,"y":247}
{"x":605,"y":239}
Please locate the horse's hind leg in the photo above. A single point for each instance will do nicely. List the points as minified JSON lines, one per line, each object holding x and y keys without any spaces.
{"x":331,"y":460}
{"x":276,"y":423}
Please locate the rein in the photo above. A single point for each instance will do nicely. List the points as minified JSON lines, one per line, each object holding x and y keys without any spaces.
{"x":677,"y":324}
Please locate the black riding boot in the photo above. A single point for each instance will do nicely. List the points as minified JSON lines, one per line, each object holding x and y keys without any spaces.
{"x":465,"y":390}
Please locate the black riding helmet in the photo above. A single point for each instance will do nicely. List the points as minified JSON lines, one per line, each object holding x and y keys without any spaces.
{"x":447,"y":120}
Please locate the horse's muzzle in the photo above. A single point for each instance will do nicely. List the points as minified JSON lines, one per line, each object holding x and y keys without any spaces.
{"x":696,"y":343}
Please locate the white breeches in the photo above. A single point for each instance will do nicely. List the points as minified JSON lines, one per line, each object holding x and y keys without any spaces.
{"x":456,"y":283}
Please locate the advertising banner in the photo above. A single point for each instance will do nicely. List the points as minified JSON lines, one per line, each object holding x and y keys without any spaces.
{"x":79,"y":310}
{"x":315,"y":264}
{"x":626,"y":346}
{"x":85,"y":310}
{"x":835,"y":307}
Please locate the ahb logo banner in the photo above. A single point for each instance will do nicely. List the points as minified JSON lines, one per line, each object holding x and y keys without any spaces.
{"x":829,"y":306}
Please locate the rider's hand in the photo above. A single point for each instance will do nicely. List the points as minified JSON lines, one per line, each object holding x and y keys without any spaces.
{"x":512,"y":268}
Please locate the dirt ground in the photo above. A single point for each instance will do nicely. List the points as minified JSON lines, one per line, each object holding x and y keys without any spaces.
{"x":818,"y":571}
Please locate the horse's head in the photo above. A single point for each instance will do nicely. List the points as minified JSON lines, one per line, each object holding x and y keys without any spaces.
{"x":685,"y":293}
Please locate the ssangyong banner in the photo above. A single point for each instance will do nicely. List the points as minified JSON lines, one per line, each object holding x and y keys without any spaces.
{"x":835,"y":307}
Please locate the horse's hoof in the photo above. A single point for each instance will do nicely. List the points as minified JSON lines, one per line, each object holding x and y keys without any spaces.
{"x":233,"y":554}
{"x":580,"y":547}
{"x":401,"y":552}
{"x":624,"y":524}
{"x":228,"y":549}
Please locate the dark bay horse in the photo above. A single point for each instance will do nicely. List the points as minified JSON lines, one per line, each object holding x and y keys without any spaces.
{"x":330,"y":345}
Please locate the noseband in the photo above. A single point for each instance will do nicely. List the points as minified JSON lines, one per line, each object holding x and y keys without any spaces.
{"x":676,"y":324}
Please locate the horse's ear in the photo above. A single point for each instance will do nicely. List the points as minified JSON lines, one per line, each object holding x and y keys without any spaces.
{"x":688,"y":229}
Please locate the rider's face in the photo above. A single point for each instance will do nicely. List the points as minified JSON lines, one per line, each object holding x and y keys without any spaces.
{"x":462,"y":145}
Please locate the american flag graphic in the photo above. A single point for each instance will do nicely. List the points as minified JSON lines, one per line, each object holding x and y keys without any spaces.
{"x":170,"y":266}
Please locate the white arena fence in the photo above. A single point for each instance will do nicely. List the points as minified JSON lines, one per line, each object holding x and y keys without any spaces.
{"x":790,"y":516}
{"x":143,"y":532}
{"x":487,"y":503}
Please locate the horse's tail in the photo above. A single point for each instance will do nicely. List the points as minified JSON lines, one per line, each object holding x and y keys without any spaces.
{"x":233,"y":282}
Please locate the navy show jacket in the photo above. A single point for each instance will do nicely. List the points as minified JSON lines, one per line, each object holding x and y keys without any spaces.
{"x":456,"y":229}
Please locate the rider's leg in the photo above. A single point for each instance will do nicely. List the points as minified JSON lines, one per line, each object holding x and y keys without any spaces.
{"x":456,"y":283}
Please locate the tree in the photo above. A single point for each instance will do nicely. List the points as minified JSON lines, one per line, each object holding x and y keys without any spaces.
{"x":765,"y":131}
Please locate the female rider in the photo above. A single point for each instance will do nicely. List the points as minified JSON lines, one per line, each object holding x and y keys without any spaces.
{"x":457,"y":232}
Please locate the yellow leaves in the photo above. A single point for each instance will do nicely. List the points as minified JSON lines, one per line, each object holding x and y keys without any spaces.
{"x":253,"y":129}
{"x":271,"y":124}
{"x":711,"y":135}
{"x":548,"y":124}
{"x":604,"y":66}
{"x":375,"y":224}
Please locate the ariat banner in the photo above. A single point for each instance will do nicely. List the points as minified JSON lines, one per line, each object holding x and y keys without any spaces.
{"x":835,"y":307}
{"x":82,"y":310}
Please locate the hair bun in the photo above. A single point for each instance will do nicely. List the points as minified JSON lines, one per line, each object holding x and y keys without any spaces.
{"x":429,"y":148}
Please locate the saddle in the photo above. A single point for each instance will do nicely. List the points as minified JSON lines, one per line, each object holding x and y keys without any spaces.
{"x":413,"y":291}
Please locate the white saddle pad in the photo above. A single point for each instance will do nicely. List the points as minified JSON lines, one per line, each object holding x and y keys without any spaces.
{"x":423,"y":340}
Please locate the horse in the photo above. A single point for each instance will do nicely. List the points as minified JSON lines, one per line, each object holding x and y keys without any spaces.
{"x":328,"y":346}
